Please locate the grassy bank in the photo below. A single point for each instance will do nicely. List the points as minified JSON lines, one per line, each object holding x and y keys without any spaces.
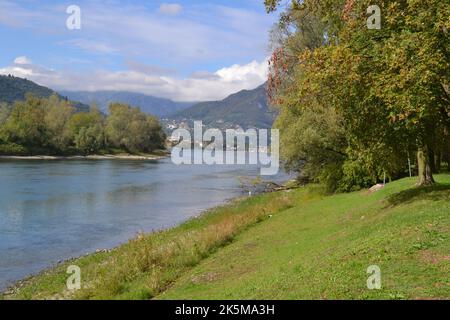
{"x":147,"y":265}
{"x":286,"y":245}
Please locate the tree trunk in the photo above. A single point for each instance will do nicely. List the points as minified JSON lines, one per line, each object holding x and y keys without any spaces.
{"x":438,"y":161}
{"x":423,"y":162}
{"x":432,"y":160}
{"x":447,"y":158}
{"x":448,"y":161}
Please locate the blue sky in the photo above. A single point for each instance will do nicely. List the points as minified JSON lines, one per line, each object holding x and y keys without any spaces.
{"x":184,"y":50}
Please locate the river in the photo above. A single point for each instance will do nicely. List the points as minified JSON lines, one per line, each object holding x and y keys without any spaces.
{"x":55,"y":210}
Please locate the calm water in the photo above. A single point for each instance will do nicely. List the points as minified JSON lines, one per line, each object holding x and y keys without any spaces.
{"x":54,"y":210}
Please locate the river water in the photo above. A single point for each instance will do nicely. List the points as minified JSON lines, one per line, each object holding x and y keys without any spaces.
{"x":55,"y":210}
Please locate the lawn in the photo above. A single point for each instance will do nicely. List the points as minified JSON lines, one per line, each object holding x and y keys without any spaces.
{"x":321,"y":249}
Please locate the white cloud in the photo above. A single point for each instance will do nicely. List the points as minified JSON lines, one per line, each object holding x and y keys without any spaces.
{"x":151,"y":45}
{"x":201,"y":86}
{"x":22,"y":60}
{"x":237,"y":73}
{"x":203,"y":34}
{"x":172,"y":9}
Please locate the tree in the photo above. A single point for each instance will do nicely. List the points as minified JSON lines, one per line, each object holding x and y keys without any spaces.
{"x":313,"y":137}
{"x":407,"y":64}
{"x":313,"y":143}
{"x":57,"y":117}
{"x":86,"y":131}
{"x":156,"y":133}
{"x":90,"y":139}
{"x":25,"y":124}
{"x":390,"y":86}
{"x":5,"y":110}
{"x":132,"y":130}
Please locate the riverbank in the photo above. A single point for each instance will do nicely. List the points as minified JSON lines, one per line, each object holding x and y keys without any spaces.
{"x":90,"y":157}
{"x":154,"y":260}
{"x":293,"y":244}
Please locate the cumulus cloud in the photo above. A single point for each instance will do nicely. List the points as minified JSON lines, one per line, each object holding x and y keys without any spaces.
{"x":172,"y":9}
{"x":24,"y":68}
{"x":238,"y":73}
{"x":201,"y":86}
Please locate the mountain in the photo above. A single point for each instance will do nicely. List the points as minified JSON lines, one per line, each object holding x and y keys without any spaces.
{"x":152,"y":105}
{"x":247,"y":109}
{"x":13,"y":89}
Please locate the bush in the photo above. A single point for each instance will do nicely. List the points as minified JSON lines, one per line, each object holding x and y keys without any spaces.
{"x":355,"y":177}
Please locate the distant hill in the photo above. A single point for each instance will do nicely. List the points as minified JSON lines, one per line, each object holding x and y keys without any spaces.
{"x":152,"y":105}
{"x":247,"y":109}
{"x":14,"y":89}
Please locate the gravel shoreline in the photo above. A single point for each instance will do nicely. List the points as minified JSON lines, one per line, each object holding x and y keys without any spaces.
{"x":92,"y":157}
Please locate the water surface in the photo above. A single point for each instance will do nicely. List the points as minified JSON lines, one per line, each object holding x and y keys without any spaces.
{"x":54,"y":210}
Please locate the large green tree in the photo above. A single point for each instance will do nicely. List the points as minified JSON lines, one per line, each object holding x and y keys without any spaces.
{"x":86,"y":131}
{"x":131,"y":129}
{"x":390,"y":86}
{"x":57,"y":116}
{"x":25,"y":123}
{"x":406,"y":66}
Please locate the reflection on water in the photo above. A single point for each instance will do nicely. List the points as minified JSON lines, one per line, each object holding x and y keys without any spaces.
{"x":54,"y":210}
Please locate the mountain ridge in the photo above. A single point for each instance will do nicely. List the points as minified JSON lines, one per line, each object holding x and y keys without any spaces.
{"x":14,"y":89}
{"x":246,"y":108}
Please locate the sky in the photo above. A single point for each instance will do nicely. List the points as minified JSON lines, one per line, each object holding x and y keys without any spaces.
{"x":185,"y":50}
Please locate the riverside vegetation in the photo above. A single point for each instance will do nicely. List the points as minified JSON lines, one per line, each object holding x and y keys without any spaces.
{"x":357,"y":103}
{"x":52,"y":126}
{"x":278,"y":246}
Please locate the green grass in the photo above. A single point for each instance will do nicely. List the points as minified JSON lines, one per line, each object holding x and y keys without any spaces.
{"x":286,"y":245}
{"x":321,"y":249}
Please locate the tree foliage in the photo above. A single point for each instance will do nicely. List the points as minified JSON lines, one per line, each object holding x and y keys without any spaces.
{"x":387,"y":87}
{"x":52,"y":126}
{"x":130,"y":129}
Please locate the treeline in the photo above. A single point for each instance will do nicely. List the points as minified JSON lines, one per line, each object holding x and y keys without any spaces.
{"x":52,"y":126}
{"x":358,"y":103}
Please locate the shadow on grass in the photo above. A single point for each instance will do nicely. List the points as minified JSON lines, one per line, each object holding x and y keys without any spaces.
{"x":433,"y":193}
